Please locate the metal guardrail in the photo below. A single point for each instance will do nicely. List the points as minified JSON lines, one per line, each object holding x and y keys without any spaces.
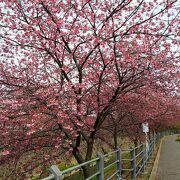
{"x":138,"y":158}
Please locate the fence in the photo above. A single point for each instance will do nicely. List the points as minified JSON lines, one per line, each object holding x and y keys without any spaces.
{"x":128,"y":162}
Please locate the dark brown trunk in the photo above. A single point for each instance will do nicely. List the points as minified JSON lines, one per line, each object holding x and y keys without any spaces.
{"x":90,"y":144}
{"x":80,"y":160}
{"x":86,"y":171}
{"x":89,"y":152}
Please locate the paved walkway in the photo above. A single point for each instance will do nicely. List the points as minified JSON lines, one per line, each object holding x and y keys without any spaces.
{"x":169,"y":162}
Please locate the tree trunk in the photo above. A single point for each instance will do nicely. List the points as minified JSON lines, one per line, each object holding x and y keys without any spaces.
{"x":80,"y":160}
{"x":86,"y":171}
{"x":90,"y":144}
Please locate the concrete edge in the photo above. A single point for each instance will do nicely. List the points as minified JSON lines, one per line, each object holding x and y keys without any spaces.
{"x":156,"y":163}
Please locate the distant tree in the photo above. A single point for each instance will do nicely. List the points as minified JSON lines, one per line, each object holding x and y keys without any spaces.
{"x":158,"y":109}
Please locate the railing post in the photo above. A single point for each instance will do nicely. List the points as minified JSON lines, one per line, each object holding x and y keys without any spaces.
{"x":100,"y":166}
{"x":159,"y":137}
{"x":149,"y":150}
{"x":118,"y":164}
{"x":56,"y":172}
{"x":152,"y":146}
{"x":154,"y":142}
{"x":143,"y":157}
{"x":133,"y":164}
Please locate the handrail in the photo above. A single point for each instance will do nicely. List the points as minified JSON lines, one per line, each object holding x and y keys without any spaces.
{"x":110,"y":165}
{"x":138,"y":162}
{"x":79,"y":166}
{"x":138,"y":146}
{"x":139,"y":154}
{"x":112,"y":175}
{"x":97,"y":173}
{"x":106,"y":155}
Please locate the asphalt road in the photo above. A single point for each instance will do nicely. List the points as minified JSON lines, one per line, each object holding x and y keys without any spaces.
{"x":169,"y":162}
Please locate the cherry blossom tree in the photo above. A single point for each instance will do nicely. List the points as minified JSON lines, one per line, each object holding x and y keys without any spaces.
{"x":64,"y":65}
{"x":145,"y":105}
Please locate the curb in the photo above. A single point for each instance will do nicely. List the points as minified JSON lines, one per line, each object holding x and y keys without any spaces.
{"x":156,"y":163}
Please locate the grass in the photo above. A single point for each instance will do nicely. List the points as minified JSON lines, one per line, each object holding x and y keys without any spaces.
{"x":178,"y":138}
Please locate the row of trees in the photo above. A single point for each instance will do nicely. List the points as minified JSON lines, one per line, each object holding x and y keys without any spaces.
{"x":72,"y":70}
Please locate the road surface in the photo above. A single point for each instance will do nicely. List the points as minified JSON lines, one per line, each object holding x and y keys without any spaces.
{"x":169,"y":162}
